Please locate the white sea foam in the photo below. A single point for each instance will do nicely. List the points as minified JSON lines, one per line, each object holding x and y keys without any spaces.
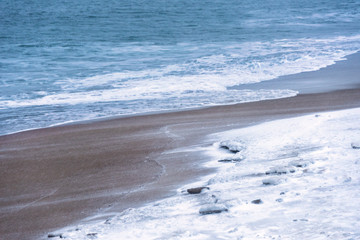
{"x":190,"y":98}
{"x":318,"y":200}
{"x":230,"y":65}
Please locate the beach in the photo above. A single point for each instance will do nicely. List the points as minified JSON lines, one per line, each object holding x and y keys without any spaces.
{"x":60,"y":176}
{"x":111,"y":111}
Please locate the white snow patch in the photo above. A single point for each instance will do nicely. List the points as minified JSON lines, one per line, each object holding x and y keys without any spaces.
{"x":316,"y":196}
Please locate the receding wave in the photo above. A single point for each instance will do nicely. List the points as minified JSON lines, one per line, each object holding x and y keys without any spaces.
{"x":211,"y":74}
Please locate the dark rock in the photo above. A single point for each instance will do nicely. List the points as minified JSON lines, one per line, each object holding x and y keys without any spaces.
{"x":299,"y":163}
{"x":196,"y":190}
{"x":231,"y":160}
{"x":232,"y":146}
{"x":271,"y":181}
{"x":355,"y":146}
{"x":91,"y":235}
{"x":279,"y":171}
{"x":282,"y":193}
{"x":302,"y":220}
{"x":233,"y":150}
{"x":54,"y":235}
{"x":257,"y":201}
{"x":279,"y":200}
{"x":225,"y":160}
{"x":212,"y":209}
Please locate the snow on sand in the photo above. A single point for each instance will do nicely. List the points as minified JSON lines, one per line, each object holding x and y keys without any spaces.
{"x":295,"y":178}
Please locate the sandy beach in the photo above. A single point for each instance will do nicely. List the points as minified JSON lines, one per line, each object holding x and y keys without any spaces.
{"x":53,"y":177}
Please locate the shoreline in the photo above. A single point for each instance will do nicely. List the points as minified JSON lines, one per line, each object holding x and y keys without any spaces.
{"x":330,"y":74}
{"x":55,"y":177}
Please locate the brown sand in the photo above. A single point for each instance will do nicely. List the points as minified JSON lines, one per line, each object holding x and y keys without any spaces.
{"x":50,"y":178}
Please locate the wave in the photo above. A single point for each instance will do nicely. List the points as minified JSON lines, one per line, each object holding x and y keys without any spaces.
{"x":225,"y":66}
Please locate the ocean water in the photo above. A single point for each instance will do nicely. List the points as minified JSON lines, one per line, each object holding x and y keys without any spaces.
{"x":64,"y":61}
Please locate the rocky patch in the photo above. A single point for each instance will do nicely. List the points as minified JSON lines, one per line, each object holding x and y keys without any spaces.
{"x":232,"y":146}
{"x":55,"y":235}
{"x":212,"y":209}
{"x":271,"y":181}
{"x":196,"y":190}
{"x":92,"y":235}
{"x":299,"y":163}
{"x":279,"y":170}
{"x":231,"y":160}
{"x":257,"y":201}
{"x":355,"y":145}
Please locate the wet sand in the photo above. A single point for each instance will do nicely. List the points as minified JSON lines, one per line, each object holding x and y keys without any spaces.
{"x":54,"y":177}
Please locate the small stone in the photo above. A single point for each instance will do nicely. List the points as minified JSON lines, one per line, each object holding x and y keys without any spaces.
{"x":279,"y":171}
{"x":231,"y":160}
{"x":279,"y":200}
{"x":270,"y":181}
{"x":355,"y":145}
{"x":54,"y":235}
{"x":196,"y":190}
{"x":299,"y":163}
{"x":225,"y":160}
{"x":212,"y":209}
{"x":282,"y":193}
{"x":232,"y":146}
{"x":257,"y":201}
{"x":91,"y":235}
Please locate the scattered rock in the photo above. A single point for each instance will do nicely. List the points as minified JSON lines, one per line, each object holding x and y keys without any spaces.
{"x":212,"y":209}
{"x":302,"y":220}
{"x":54,"y":235}
{"x":271,"y":181}
{"x":355,"y":145}
{"x":299,"y":163}
{"x":348,"y":179}
{"x":214,"y":198}
{"x":231,"y":160}
{"x":282,"y":193}
{"x":196,"y":190}
{"x":279,"y":170}
{"x":92,"y":235}
{"x":257,"y":201}
{"x":232,"y":146}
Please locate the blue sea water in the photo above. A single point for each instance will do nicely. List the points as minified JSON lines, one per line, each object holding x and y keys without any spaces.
{"x":65,"y":60}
